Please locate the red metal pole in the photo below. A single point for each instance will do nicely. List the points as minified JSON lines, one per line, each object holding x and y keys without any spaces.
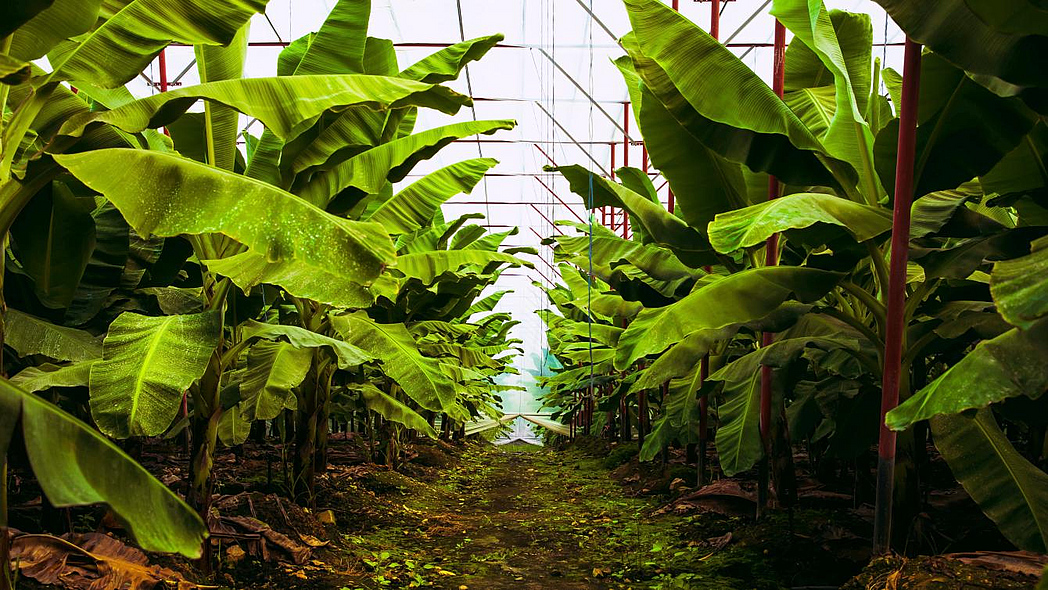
{"x":715,"y":19}
{"x":771,"y":258}
{"x":163,"y":88}
{"x":895,"y":328}
{"x":625,"y":161}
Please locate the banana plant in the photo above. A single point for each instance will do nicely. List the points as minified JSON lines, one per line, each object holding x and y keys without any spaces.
{"x":831,"y":140}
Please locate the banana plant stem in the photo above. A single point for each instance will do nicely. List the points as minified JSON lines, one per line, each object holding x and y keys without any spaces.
{"x":895,"y":331}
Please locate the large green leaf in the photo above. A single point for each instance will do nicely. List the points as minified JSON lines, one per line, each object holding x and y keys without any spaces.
{"x":963,"y":130}
{"x":338,"y":47}
{"x":703,"y":182}
{"x":663,"y":227}
{"x":17,"y":14}
{"x":215,"y":64}
{"x":414,"y":206}
{"x":134,"y":32}
{"x":753,"y":225}
{"x":738,"y":435}
{"x":273,"y":370}
{"x":815,"y":107}
{"x":805,"y":69}
{"x":369,"y":171}
{"x":61,"y":19}
{"x":428,"y":266}
{"x":977,"y":45}
{"x":721,"y":101}
{"x":348,"y":355}
{"x":54,"y":238}
{"x":46,"y":376}
{"x":445,"y":64}
{"x":394,"y":410}
{"x":76,"y":466}
{"x":248,"y":270}
{"x":739,"y":298}
{"x":1008,"y":488}
{"x":285,"y":105}
{"x":420,"y":377}
{"x":147,"y":364}
{"x":166,"y":195}
{"x":1009,"y":365}
{"x":848,"y":136}
{"x":28,"y":335}
{"x":610,"y":250}
{"x":1020,"y":286}
{"x":1024,"y":169}
{"x":681,"y":358}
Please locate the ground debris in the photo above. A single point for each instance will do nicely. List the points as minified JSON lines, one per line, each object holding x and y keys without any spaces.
{"x":90,"y":561}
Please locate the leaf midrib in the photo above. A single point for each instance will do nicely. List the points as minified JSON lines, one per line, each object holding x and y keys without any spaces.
{"x":145,"y":367}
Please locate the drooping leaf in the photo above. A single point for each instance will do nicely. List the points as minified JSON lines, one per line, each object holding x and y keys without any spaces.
{"x":428,"y":266}
{"x":975,"y":44}
{"x":392,"y":409}
{"x":1009,"y":365}
{"x":421,"y":378}
{"x":1007,"y":487}
{"x":348,"y":355}
{"x":194,"y":198}
{"x":413,"y":207}
{"x":285,"y":105}
{"x":752,"y":225}
{"x":663,"y":227}
{"x":445,"y":64}
{"x":248,"y":270}
{"x":1020,"y":286}
{"x":739,"y":298}
{"x":273,"y":370}
{"x":720,"y":100}
{"x":122,"y":46}
{"x":46,"y":376}
{"x":391,"y":161}
{"x":147,"y":364}
{"x":28,"y":335}
{"x":77,"y":466}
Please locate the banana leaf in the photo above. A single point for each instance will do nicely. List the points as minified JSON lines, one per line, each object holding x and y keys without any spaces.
{"x":739,"y":298}
{"x":1009,"y":365}
{"x":147,"y":364}
{"x":123,"y":45}
{"x":77,"y":466}
{"x":196,"y":199}
{"x":1007,"y":487}
{"x":285,"y":105}
{"x":753,"y":225}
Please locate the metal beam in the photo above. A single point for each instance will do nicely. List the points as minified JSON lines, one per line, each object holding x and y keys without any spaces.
{"x":583,"y":91}
{"x":573,"y":140}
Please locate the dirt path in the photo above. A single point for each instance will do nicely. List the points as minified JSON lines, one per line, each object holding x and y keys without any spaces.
{"x":533,"y":519}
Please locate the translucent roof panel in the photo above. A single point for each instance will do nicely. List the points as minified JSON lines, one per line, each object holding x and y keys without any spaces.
{"x":553,"y":75}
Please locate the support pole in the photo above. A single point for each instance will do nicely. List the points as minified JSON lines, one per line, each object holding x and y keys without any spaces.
{"x":895,"y":330}
{"x":625,"y":160}
{"x":771,"y":258}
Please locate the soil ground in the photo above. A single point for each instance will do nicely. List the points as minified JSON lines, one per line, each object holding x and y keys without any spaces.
{"x":475,"y":516}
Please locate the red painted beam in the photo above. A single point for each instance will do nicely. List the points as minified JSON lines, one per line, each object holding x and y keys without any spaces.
{"x":895,"y":330}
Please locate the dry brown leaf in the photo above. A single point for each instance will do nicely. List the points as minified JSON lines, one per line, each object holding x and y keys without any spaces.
{"x":90,"y":561}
